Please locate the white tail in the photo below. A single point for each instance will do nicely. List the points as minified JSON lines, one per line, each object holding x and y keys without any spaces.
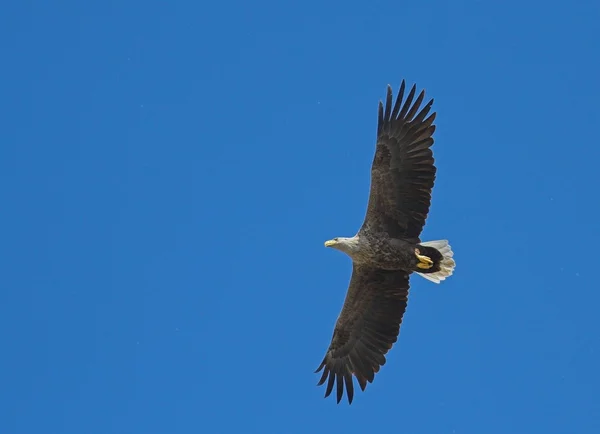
{"x":446,"y":266}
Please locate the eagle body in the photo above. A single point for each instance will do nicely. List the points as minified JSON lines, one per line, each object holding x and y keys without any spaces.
{"x":387,"y":249}
{"x":381,"y":251}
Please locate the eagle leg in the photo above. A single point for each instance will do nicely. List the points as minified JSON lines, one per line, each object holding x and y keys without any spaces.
{"x":425,"y":262}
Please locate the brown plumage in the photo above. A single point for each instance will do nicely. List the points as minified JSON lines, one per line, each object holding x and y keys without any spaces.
{"x":387,"y":248}
{"x":403,"y":173}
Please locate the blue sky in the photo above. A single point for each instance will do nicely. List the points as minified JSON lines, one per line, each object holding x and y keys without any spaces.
{"x":170,"y":170}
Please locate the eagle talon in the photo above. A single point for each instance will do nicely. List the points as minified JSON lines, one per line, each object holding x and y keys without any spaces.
{"x":425,"y":262}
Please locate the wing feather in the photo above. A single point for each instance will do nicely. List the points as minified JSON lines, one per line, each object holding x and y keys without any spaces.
{"x":367,"y":328}
{"x":403,"y":170}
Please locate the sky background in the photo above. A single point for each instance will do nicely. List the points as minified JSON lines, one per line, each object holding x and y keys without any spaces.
{"x":169,"y":172}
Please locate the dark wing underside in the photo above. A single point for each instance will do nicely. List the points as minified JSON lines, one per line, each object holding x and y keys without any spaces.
{"x":403,"y":171}
{"x":366,"y":329}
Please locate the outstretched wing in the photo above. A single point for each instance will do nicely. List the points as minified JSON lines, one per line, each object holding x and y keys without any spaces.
{"x":366,"y":329}
{"x":403,"y":171}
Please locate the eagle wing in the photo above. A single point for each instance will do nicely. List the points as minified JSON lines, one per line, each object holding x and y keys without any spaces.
{"x":403,"y":171}
{"x":366,"y":329}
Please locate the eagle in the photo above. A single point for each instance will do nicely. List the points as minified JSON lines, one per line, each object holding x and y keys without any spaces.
{"x":387,"y":248}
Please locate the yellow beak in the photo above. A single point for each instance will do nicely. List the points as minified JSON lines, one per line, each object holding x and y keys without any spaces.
{"x":329,"y":243}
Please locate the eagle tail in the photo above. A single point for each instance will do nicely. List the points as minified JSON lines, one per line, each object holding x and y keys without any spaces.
{"x":446,"y":264}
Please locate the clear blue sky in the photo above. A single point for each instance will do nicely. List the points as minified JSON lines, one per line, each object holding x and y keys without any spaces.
{"x":169,"y":172}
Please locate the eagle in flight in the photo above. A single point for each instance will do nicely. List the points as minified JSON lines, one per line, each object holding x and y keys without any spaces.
{"x":387,"y":248}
